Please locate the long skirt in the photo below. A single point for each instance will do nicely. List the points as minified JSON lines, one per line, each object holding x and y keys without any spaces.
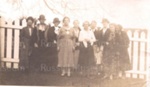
{"x":52,"y":54}
{"x":86,"y":56}
{"x":76,"y":57}
{"x":110,"y":62}
{"x":65,"y":53}
{"x":124,"y":61}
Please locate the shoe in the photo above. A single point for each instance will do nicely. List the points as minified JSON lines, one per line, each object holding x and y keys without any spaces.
{"x":68,"y":74}
{"x":104,"y":77}
{"x":123,"y":77}
{"x":111,"y":77}
{"x":98,"y":74}
{"x":63,"y":74}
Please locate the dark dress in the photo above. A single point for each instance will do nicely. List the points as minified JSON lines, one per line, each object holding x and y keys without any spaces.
{"x":41,"y":58}
{"x":102,"y":39}
{"x":86,"y":55}
{"x":52,"y":47}
{"x":110,"y":57}
{"x":28,"y":41}
{"x":124,"y":59}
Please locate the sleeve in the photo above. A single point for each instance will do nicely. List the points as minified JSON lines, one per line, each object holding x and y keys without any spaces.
{"x":81,"y":36}
{"x":22,"y":35}
{"x":74,"y":37}
{"x":59,"y":37}
{"x":35,"y":36}
{"x":47,"y":32}
{"x":126,"y":38}
{"x":93,"y":39}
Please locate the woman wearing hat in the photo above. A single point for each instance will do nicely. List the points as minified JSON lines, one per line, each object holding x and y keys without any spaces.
{"x":103,"y":42}
{"x":42,"y":38}
{"x":52,"y":42}
{"x":124,"y":60}
{"x":66,"y":47}
{"x":110,"y":57}
{"x":28,"y":40}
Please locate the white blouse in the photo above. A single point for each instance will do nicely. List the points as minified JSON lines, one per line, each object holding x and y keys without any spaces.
{"x":87,"y":35}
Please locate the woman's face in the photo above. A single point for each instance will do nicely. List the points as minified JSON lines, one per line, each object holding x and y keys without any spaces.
{"x":86,"y":25}
{"x":66,"y":21}
{"x":76,"y":23}
{"x":42,"y":21}
{"x":105,"y":24}
{"x":56,"y":23}
{"x":112,"y":27}
{"x":93,"y":25}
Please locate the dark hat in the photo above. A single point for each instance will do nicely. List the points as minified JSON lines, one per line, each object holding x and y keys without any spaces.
{"x":30,"y":18}
{"x":105,"y":20}
{"x":56,"y":20}
{"x":41,"y":17}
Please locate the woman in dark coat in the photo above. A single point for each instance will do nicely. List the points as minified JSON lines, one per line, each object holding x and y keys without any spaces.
{"x":42,"y":58}
{"x":124,"y":60}
{"x":52,"y":43}
{"x":110,"y":54}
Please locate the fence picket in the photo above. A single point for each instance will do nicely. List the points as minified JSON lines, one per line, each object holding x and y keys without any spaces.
{"x":135,"y":55}
{"x":16,"y":44}
{"x":142,"y":55}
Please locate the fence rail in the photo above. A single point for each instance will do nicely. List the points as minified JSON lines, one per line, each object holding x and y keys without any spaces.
{"x":9,"y":47}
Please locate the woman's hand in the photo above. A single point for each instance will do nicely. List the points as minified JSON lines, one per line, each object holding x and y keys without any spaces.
{"x":87,"y":40}
{"x":73,"y":48}
{"x":107,"y":43}
{"x":24,"y":47}
{"x":97,"y":49}
{"x":77,"y":44}
{"x":35,"y":45}
{"x":58,"y":48}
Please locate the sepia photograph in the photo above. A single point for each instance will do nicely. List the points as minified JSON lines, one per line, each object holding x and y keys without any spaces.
{"x":75,"y":43}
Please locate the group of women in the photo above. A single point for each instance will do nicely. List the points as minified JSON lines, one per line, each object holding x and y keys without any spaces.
{"x":73,"y":48}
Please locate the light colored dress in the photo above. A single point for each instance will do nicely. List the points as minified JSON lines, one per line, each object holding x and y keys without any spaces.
{"x":66,"y":47}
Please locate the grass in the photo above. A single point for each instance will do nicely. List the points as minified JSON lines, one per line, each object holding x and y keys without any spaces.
{"x":54,"y":79}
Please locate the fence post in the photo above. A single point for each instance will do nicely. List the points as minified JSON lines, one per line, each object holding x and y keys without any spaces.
{"x":148,"y":61}
{"x":135,"y":54}
{"x":142,"y":55}
{"x":2,"y":38}
{"x":16,"y":44}
{"x":129,"y":32}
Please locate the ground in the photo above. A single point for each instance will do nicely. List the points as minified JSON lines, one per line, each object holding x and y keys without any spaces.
{"x":47,"y":78}
{"x":54,"y":79}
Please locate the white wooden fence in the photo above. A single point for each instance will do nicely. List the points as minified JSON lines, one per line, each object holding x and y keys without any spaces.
{"x":9,"y":42}
{"x":139,"y":52}
{"x":9,"y":47}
